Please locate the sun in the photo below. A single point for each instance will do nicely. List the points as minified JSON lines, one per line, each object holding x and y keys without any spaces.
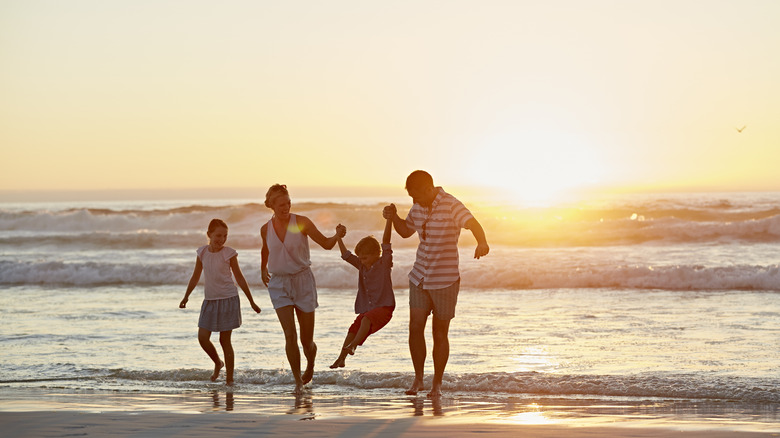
{"x":539,"y":167}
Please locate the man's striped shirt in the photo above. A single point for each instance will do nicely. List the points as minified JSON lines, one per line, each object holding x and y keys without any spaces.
{"x":438,"y":227}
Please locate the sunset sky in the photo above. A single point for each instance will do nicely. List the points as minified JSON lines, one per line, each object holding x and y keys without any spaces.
{"x":536,"y":96}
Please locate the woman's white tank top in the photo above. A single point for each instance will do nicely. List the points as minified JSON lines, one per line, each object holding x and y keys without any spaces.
{"x":290,"y":256}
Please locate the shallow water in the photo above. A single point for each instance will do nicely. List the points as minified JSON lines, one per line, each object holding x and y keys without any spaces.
{"x":678,"y":305}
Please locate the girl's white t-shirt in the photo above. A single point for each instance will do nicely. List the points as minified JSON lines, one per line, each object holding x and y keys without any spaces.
{"x":216,"y":269}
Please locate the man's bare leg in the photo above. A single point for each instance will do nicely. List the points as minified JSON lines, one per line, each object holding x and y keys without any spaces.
{"x":306,"y":322}
{"x":286,"y":317}
{"x":417,"y":320}
{"x":441,"y":353}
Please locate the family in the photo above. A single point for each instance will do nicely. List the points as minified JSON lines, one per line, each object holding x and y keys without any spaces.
{"x":434,"y":281}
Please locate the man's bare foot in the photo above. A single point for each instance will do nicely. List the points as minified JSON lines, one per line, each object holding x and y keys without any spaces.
{"x":339,"y":363}
{"x":435,"y":392}
{"x":229,"y":382}
{"x":217,"y":369}
{"x":309,"y":373}
{"x":415,"y":388}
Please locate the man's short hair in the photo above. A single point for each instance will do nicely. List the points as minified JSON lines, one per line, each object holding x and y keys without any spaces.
{"x":419,"y":179}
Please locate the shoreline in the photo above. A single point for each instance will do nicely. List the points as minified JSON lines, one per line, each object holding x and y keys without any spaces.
{"x":56,"y":412}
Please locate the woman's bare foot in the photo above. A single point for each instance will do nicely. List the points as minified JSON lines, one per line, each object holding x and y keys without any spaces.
{"x":417,"y":386}
{"x":298,"y":388}
{"x":217,"y":369}
{"x":309,"y":373}
{"x":435,"y":392}
{"x":339,"y":363}
{"x":351,"y":349}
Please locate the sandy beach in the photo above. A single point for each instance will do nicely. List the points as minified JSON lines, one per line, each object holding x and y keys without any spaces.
{"x":52,"y":413}
{"x":121,"y":424}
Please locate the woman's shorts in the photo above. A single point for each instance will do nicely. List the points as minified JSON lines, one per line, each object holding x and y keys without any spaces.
{"x":378,"y":316}
{"x":439,"y":301}
{"x":297,"y":290}
{"x":220,"y":315}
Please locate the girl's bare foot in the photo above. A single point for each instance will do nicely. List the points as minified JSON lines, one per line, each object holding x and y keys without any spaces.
{"x":415,"y":388}
{"x":217,"y":368}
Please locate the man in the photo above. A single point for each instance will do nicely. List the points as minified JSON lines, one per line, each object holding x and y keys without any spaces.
{"x":437,"y":217}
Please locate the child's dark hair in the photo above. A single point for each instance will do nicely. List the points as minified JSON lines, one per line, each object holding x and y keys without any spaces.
{"x":216,"y":223}
{"x":273,"y":192}
{"x":368,"y":245}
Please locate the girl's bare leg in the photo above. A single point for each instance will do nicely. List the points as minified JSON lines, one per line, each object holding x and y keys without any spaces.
{"x":227,"y":351}
{"x":286,"y":317}
{"x":204,"y":338}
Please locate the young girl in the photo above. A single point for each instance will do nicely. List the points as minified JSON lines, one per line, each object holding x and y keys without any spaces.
{"x":221,"y":309}
{"x":286,"y":272}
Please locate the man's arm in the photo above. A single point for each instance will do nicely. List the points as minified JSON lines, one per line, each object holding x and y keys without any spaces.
{"x":391,"y":212}
{"x":479,"y":233}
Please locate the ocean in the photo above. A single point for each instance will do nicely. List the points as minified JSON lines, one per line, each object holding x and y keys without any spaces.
{"x":632,"y":300}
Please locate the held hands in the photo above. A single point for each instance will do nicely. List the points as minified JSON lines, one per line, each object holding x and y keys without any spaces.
{"x":482,"y":250}
{"x":341,"y":231}
{"x":389,"y":212}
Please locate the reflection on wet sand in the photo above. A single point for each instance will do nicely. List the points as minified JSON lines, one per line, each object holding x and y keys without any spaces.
{"x":229,"y":400}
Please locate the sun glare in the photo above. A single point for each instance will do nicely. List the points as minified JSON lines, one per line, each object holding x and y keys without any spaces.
{"x":538,"y":167}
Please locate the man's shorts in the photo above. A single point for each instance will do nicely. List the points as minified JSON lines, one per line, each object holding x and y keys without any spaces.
{"x":378,"y":316}
{"x":297,"y":290}
{"x":439,"y":301}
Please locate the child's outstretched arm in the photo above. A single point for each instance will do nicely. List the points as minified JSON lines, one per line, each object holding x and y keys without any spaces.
{"x":241,"y":281}
{"x":193,"y":282}
{"x":388,"y":231}
{"x":339,"y":229}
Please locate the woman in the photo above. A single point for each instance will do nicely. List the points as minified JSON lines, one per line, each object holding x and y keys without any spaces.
{"x":287,"y":274}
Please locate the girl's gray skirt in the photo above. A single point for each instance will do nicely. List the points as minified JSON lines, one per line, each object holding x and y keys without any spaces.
{"x":220,"y":315}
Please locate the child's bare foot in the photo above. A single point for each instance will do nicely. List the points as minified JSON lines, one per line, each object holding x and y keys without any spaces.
{"x":309,"y":373}
{"x":339,"y":363}
{"x":417,"y":386}
{"x":217,"y":369}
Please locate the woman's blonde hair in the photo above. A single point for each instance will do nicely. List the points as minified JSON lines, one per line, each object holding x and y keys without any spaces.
{"x":274,"y":192}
